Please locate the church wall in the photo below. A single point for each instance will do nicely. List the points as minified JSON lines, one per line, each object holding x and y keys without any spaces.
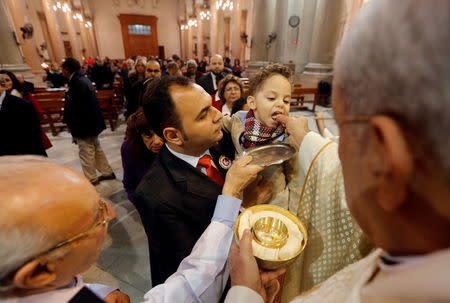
{"x":108,"y":30}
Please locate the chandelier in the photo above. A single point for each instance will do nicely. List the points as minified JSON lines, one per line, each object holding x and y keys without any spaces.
{"x":224,"y":4}
{"x":205,"y":15}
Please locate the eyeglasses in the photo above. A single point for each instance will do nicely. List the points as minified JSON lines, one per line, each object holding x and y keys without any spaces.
{"x":153,"y":70}
{"x":103,"y":220}
{"x":230,"y":89}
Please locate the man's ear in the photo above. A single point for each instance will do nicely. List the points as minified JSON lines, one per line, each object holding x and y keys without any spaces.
{"x":34,"y":274}
{"x":394,"y":166}
{"x":173,"y":135}
{"x":251,"y":102}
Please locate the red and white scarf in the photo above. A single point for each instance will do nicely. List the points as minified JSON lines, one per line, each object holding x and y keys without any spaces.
{"x":256,"y":133}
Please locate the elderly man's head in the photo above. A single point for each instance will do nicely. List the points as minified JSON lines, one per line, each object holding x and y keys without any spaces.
{"x":191,"y":67}
{"x":216,"y":64}
{"x":392,"y":104}
{"x":44,"y":205}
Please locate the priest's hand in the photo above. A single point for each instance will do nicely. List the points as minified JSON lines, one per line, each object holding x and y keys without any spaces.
{"x":244,"y":270}
{"x":240,"y":174}
{"x":257,"y":192}
{"x":296,"y":127}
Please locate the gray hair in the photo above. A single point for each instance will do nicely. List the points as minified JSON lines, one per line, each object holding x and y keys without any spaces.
{"x":191,"y":62}
{"x":395,"y":60}
{"x":20,"y":245}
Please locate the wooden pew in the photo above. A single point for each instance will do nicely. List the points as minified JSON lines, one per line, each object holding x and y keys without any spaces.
{"x":298,"y":97}
{"x":106,"y":99}
{"x":53,"y":114}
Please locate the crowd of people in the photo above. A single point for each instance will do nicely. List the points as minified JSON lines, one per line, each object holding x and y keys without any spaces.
{"x":376,"y":205}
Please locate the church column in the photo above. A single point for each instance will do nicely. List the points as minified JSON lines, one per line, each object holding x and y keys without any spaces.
{"x":326,"y":34}
{"x":213,"y":48}
{"x":92,"y":39}
{"x":236,"y":30}
{"x":199,"y":34}
{"x":263,"y":24}
{"x":20,"y":16}
{"x":227,"y":21}
{"x":76,"y":49}
{"x":86,"y":50}
{"x":190,"y":47}
{"x":10,"y":54}
{"x":55,"y":33}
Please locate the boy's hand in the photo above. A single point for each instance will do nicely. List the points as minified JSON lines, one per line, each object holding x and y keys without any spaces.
{"x":296,"y":127}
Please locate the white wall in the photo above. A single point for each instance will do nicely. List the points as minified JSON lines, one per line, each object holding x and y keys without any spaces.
{"x":109,"y":34}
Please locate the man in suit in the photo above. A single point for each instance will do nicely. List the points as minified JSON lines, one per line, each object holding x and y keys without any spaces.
{"x":392,"y":105}
{"x":20,"y":131}
{"x":29,"y":86}
{"x":177,"y":197}
{"x":210,"y":81}
{"x":85,"y":122}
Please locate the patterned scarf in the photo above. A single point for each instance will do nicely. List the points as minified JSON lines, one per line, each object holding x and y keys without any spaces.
{"x":256,"y":133}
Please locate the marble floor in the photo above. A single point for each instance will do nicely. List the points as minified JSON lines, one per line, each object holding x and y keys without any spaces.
{"x":124,"y":261}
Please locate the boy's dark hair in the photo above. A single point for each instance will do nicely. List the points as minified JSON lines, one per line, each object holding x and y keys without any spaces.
{"x":71,"y":64}
{"x":238,"y":105}
{"x":266,"y":72}
{"x":158,"y":105}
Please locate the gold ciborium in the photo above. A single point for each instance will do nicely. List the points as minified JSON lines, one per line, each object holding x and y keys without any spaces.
{"x":271,"y":232}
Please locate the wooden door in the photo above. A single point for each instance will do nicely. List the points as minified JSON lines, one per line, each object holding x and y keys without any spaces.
{"x":139,"y":33}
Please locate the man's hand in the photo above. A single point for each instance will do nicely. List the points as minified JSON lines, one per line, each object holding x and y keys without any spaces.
{"x":240,"y":174}
{"x":244,"y":270}
{"x":257,"y":192}
{"x":296,"y":127}
{"x":117,"y":297}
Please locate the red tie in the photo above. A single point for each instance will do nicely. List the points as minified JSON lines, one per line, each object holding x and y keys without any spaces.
{"x":212,"y":172}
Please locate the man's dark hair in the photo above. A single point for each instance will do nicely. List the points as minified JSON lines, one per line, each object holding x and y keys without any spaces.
{"x":71,"y":64}
{"x":159,"y":108}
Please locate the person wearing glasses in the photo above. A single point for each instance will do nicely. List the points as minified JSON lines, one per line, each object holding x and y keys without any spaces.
{"x":152,"y":71}
{"x":229,"y":92}
{"x":392,"y":106}
{"x":52,"y":228}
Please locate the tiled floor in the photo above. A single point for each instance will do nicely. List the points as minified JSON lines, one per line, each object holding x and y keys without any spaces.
{"x":124,"y":262}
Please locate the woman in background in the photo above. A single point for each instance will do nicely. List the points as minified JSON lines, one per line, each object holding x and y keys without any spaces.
{"x":14,"y":87}
{"x":138,"y":151}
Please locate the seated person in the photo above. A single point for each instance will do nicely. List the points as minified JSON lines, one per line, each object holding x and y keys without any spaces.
{"x":138,"y":151}
{"x":229,"y":91}
{"x":51,"y":233}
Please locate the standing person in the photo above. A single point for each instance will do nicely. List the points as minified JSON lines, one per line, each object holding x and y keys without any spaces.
{"x":176,"y":198}
{"x":138,"y":151}
{"x":85,"y":122}
{"x":152,"y":71}
{"x":210,"y":81}
{"x":20,"y":131}
{"x":192,"y":72}
{"x":237,"y":68}
{"x":14,"y":87}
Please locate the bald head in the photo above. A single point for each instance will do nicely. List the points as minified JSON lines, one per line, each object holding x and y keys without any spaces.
{"x":216,"y":64}
{"x":42,"y":204}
